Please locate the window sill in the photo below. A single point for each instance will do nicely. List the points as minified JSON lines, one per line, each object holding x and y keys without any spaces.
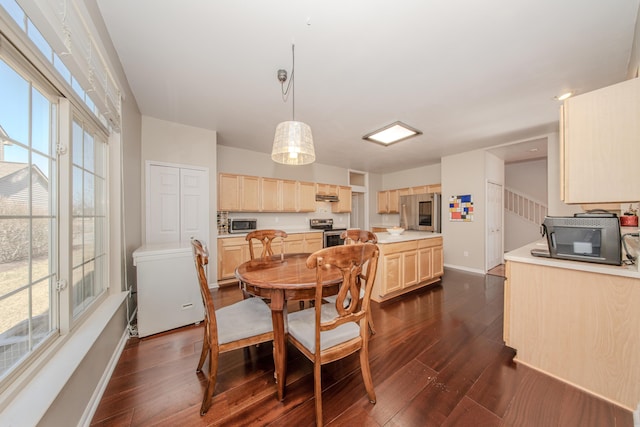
{"x":35,"y":397}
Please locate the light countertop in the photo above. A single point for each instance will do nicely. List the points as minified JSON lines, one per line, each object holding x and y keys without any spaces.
{"x":406,"y":236}
{"x":287,"y":230}
{"x":523,"y":254}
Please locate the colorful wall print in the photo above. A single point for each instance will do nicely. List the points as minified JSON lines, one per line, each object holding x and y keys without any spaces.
{"x":461,"y":208}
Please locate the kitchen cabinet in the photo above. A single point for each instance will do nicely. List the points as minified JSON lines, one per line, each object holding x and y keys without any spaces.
{"x":239,"y":193}
{"x":344,"y":203}
{"x":312,"y":242}
{"x":579,"y":325}
{"x":233,"y":251}
{"x":306,"y":196}
{"x":599,"y":148}
{"x":327,"y":189}
{"x":271,"y":190}
{"x":244,"y":193}
{"x":407,"y":265}
{"x":290,"y":194}
{"x":388,"y":201}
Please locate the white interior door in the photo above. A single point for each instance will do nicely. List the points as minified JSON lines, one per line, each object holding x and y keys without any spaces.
{"x":163,"y":204}
{"x":177,"y":203}
{"x":194,"y":205}
{"x":494,"y":225}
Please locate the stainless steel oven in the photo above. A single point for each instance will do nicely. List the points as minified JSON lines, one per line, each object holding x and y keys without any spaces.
{"x":331,"y":235}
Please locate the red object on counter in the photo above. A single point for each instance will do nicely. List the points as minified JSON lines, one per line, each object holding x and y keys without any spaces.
{"x":629,"y":221}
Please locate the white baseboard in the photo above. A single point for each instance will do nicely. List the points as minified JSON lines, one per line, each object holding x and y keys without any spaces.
{"x":92,"y":406}
{"x":463,"y":268}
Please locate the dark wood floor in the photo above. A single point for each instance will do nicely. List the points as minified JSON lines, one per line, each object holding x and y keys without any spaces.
{"x":438,"y":359}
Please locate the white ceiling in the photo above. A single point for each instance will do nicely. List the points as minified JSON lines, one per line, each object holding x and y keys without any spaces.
{"x":468,"y":74}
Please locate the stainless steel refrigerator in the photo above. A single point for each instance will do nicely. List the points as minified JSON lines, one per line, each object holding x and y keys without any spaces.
{"x":421,"y":212}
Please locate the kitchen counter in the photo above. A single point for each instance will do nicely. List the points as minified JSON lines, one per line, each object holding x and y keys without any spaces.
{"x":288,"y":231}
{"x":407,"y":262}
{"x":576,"y":321}
{"x":523,"y":254}
{"x":406,"y":236}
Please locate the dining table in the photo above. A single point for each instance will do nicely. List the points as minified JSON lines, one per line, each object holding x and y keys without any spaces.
{"x":282,"y":278}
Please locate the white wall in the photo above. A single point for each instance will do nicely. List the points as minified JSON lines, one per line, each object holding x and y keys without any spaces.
{"x":169,"y":142}
{"x":464,"y":242}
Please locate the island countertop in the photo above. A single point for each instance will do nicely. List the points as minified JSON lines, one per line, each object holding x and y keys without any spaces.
{"x":406,"y":236}
{"x":523,"y":254}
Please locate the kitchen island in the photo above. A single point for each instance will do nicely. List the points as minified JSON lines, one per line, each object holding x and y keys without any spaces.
{"x":407,"y":262}
{"x":576,"y":321}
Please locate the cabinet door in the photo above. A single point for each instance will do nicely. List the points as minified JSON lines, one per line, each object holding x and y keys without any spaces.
{"x":228,"y":192}
{"x":409,"y":268}
{"x":393,"y":204}
{"x":289,"y":194}
{"x":250,"y":194}
{"x":423,"y":189}
{"x":271,"y":194}
{"x":383,"y":202}
{"x":163,"y":209}
{"x":344,"y":205}
{"x":231,"y":253}
{"x":294,"y":244}
{"x":306,"y":197}
{"x":404,"y":192}
{"x":438,"y":262}
{"x":392,"y":271}
{"x":327,"y":189}
{"x":312,"y":242}
{"x":434,"y":188}
{"x":194,"y":204}
{"x":601,"y":148}
{"x":425,"y":270}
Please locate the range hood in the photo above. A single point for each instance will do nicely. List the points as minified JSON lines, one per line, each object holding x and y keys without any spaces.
{"x":326,"y":198}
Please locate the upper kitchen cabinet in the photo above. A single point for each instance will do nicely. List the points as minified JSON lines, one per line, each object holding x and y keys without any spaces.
{"x":600,"y":145}
{"x":327,"y":190}
{"x":306,"y":196}
{"x":343,"y":205}
{"x":238,"y":193}
{"x":243,"y":193}
{"x":388,"y":201}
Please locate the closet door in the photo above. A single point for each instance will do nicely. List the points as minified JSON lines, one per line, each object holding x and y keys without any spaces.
{"x":163,"y":204}
{"x":194,"y":206}
{"x":177,"y":203}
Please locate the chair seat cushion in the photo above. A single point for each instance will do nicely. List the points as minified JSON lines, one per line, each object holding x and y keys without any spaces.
{"x":302,"y":327}
{"x":246,"y":318}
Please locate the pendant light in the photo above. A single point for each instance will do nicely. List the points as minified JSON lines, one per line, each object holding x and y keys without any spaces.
{"x":293,"y":142}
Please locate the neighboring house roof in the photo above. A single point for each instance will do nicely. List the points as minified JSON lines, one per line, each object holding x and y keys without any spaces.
{"x":14,"y":184}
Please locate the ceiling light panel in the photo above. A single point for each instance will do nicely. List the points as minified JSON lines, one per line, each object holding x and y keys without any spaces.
{"x":392,"y":133}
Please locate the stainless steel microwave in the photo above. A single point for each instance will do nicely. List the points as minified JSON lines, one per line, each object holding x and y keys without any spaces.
{"x":584,"y":237}
{"x":242,"y":225}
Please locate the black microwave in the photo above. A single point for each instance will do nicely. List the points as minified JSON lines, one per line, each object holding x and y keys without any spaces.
{"x":242,"y":225}
{"x":584,"y":237}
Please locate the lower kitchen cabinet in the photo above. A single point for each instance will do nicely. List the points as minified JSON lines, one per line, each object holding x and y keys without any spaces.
{"x":233,"y":251}
{"x":405,"y":266}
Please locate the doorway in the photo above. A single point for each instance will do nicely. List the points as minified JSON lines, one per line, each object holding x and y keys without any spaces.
{"x":494,"y":251}
{"x":359,"y":217}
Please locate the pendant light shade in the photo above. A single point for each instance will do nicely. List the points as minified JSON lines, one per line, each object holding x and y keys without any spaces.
{"x":293,"y":144}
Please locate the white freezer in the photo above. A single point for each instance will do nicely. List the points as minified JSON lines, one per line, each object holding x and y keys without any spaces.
{"x":168,"y":290}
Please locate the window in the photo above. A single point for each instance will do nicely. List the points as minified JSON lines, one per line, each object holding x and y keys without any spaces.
{"x":89,"y":257}
{"x":28,"y":221}
{"x":53,"y":204}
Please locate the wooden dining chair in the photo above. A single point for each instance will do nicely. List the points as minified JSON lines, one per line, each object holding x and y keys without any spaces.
{"x":266,"y":238}
{"x":354,"y":236}
{"x":332,"y":331}
{"x":242,"y":324}
{"x":357,"y":235}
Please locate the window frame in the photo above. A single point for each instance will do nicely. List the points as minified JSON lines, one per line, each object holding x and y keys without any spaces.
{"x":28,"y":61}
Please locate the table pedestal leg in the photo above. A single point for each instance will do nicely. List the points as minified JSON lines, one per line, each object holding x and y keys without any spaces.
{"x":279,"y":341}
